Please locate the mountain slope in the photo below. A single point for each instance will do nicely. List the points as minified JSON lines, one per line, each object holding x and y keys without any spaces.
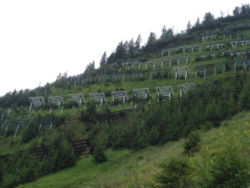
{"x":137,"y":168}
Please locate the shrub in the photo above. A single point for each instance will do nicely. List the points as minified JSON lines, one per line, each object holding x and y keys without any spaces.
{"x":228,"y":169}
{"x":244,"y":100}
{"x":61,"y":155}
{"x":20,"y":169}
{"x":174,"y":173}
{"x":191,"y":144}
{"x":100,"y":143}
{"x":89,"y":115}
{"x":99,"y":155}
{"x":31,"y":132}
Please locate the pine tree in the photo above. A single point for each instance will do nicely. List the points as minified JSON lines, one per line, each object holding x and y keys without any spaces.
{"x":208,"y":18}
{"x":189,"y":26}
{"x":163,"y":32}
{"x":120,"y":51}
{"x":131,"y":48}
{"x":103,"y":59}
{"x":151,"y":41}
{"x":197,"y":23}
{"x":90,"y":67}
{"x":166,"y":34}
{"x":138,"y":44}
{"x":236,"y":11}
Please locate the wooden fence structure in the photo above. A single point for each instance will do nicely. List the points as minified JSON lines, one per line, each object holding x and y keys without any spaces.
{"x":82,"y":147}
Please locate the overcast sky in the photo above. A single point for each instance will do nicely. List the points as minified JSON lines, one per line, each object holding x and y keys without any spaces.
{"x":41,"y":38}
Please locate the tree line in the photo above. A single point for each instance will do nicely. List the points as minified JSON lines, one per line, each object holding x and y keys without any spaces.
{"x":134,"y":49}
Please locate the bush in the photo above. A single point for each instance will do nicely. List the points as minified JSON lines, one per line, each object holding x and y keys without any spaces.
{"x":61,"y":156}
{"x":191,"y":144}
{"x":31,"y":132}
{"x":244,"y":100}
{"x":100,"y":143}
{"x":89,"y":115}
{"x":20,"y":169}
{"x":174,"y":173}
{"x":228,"y":169}
{"x":99,"y":155}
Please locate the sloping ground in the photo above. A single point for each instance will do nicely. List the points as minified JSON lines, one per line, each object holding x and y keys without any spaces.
{"x":108,"y":87}
{"x":12,"y":116}
{"x":136,"y":169}
{"x":13,"y":144}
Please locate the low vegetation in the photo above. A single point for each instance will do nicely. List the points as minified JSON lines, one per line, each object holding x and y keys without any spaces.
{"x":148,"y":167}
{"x":193,"y":141}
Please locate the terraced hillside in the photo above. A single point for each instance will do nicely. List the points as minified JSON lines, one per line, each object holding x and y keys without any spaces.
{"x":205,"y":63}
{"x":192,"y":81}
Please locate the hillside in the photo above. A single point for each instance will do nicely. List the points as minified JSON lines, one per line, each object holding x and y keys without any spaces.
{"x":137,"y":168}
{"x":134,"y":111}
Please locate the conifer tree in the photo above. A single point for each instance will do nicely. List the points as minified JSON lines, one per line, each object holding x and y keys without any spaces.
{"x":103,"y":59}
{"x":131,"y":48}
{"x":151,"y":42}
{"x":163,"y":32}
{"x":166,"y":34}
{"x":120,"y":51}
{"x":208,"y":18}
{"x":138,"y":44}
{"x":197,"y":23}
{"x":189,"y":26}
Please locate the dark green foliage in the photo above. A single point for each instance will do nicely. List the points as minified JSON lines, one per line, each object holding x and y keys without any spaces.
{"x":203,"y":108}
{"x":192,"y":143}
{"x":146,"y":126}
{"x":25,"y":167}
{"x":30,"y":132}
{"x":242,"y":11}
{"x":89,"y":115}
{"x":151,"y":42}
{"x":99,"y":155}
{"x":228,"y":169}
{"x":100,"y":144}
{"x":103,"y":60}
{"x":208,"y":18}
{"x":90,"y":68}
{"x":20,"y":169}
{"x":154,"y":135}
{"x":20,"y":98}
{"x":244,"y":100}
{"x":1,"y":172}
{"x":174,"y":173}
{"x":224,"y":24}
{"x":166,"y":34}
{"x":61,"y":155}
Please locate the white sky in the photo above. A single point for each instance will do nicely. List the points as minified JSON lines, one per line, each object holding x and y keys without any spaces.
{"x":41,"y":38}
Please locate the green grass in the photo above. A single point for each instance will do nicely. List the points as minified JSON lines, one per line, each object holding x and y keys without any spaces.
{"x":11,"y":145}
{"x":151,"y":84}
{"x":127,"y":168}
{"x":136,"y":169}
{"x":128,"y":86}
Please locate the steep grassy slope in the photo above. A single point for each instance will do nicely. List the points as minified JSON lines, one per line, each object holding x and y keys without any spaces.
{"x":128,"y":85}
{"x":136,"y":169}
{"x":13,"y":144}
